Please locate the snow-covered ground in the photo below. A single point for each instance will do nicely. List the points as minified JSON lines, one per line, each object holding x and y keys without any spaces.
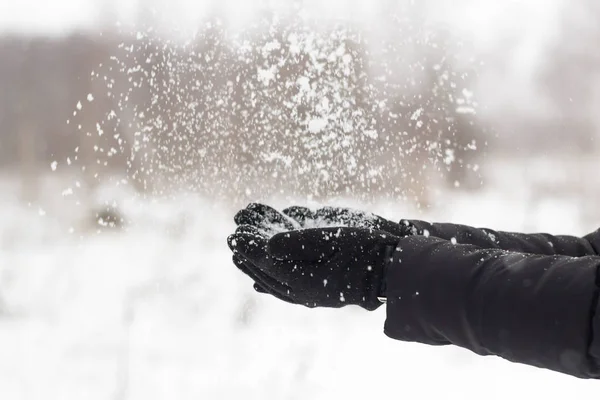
{"x":159,"y":312}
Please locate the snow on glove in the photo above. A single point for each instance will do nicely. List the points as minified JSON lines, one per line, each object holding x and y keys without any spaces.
{"x":342,"y":216}
{"x":319,"y":267}
{"x":266,"y":219}
{"x":271,"y":221}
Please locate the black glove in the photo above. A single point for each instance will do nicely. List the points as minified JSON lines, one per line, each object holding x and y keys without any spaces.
{"x":270,"y":221}
{"x":266,"y":219}
{"x":320,"y":267}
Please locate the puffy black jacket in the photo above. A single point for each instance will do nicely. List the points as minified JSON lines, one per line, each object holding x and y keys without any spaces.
{"x":537,"y":243}
{"x":531,"y":299}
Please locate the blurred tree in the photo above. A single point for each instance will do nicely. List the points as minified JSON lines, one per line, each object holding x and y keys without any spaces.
{"x":283,"y":105}
{"x":572,"y":65}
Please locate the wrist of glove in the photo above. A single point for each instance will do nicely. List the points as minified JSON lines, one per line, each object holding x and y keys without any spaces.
{"x":316,"y":267}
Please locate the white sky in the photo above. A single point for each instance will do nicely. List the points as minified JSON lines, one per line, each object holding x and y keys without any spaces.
{"x":485,"y":17}
{"x":519,"y":30}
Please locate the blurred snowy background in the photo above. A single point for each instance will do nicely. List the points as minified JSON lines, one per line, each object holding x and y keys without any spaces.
{"x":131,"y":131}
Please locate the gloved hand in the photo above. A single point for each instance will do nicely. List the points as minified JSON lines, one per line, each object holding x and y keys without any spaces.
{"x":319,"y":267}
{"x":270,"y":221}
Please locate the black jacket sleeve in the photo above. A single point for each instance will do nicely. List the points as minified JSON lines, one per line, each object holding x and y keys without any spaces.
{"x":531,"y":309}
{"x":537,"y":243}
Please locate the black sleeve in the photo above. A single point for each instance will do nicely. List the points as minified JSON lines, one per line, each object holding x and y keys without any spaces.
{"x":531,"y":309}
{"x":537,"y":243}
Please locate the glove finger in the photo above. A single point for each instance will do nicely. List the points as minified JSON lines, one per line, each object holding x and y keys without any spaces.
{"x":408,"y":228}
{"x":232,"y":243}
{"x":259,"y":288}
{"x":273,"y":216}
{"x":394,"y":228}
{"x":346,"y":217}
{"x":248,"y":244}
{"x":274,"y":294}
{"x":261,"y":209}
{"x":240,"y":265}
{"x":358,"y":219}
{"x":269,"y":223}
{"x":248,"y":217}
{"x":265,"y":282}
{"x":299,"y":213}
{"x":276,"y":274}
{"x":251,"y":247}
{"x":257,"y":276}
{"x":251,"y":230}
{"x":259,"y":230}
{"x":258,"y":285}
